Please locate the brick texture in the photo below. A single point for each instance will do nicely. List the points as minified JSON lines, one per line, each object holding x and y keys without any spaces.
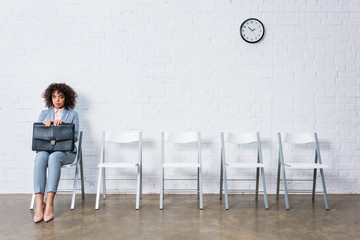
{"x":182,"y":65}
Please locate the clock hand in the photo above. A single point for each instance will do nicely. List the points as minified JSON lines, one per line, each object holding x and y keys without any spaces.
{"x":251,"y":29}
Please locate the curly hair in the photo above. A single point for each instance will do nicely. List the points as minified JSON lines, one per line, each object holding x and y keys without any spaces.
{"x":70,"y":95}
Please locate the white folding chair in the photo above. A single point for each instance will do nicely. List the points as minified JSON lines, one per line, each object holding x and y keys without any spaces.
{"x":120,"y":139}
{"x":239,"y":139}
{"x":181,"y":138}
{"x":297,"y":139}
{"x":79,"y":169}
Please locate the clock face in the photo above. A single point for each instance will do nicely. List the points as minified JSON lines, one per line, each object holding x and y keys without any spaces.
{"x":252,"y":30}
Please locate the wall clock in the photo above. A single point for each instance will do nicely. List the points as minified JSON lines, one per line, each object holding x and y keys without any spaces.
{"x":252,"y":30}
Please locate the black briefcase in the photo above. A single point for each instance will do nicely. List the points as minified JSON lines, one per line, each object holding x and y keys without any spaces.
{"x":53,"y":138}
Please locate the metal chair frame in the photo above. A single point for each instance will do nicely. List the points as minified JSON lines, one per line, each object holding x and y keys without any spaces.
{"x":181,"y":138}
{"x":294,"y":139}
{"x":122,"y":138}
{"x":244,"y":138}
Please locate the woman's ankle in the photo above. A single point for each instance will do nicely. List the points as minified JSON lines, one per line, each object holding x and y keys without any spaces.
{"x":40,"y":205}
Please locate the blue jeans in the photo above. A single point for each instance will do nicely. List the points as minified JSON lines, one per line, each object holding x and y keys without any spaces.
{"x":50,"y":163}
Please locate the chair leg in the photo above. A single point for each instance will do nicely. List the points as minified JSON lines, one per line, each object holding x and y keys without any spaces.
{"x":138,"y":189}
{"x":201,"y":189}
{"x":75,"y":187}
{"x":225,"y":189}
{"x":32,"y":202}
{"x":221,"y":180}
{"x":141,"y":180}
{"x":285,"y":189}
{"x":264,"y":187}
{"x":162,"y":189}
{"x":314,"y":184}
{"x":198,"y":184}
{"x":278,"y":180}
{"x":104,"y":183}
{"x":98,"y":188}
{"x":324,"y":189}
{"x":257,"y":183}
{"x":82,"y":177}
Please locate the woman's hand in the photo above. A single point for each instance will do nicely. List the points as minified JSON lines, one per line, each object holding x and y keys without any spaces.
{"x":57,"y":122}
{"x":48,"y":122}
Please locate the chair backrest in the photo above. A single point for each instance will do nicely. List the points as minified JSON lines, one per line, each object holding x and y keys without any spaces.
{"x":181,"y":137}
{"x":122,"y":137}
{"x":299,"y":138}
{"x":110,"y":137}
{"x":79,"y":148}
{"x":240,"y":138}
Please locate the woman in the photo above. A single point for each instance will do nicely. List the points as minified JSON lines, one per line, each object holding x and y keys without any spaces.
{"x":60,"y":99}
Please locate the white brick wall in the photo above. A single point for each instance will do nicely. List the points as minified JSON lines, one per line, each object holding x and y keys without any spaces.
{"x":181,"y":65}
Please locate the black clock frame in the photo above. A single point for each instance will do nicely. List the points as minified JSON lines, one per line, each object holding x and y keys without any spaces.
{"x":261,"y":25}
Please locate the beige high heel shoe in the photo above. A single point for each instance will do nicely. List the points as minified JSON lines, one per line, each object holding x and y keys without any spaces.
{"x":48,"y":218}
{"x":39,"y":218}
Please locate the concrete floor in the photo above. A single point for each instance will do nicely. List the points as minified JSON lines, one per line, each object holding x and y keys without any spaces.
{"x":181,"y":219}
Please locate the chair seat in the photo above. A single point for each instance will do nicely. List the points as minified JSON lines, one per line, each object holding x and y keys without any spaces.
{"x":181,"y":164}
{"x":305,"y":165}
{"x":245,"y":165}
{"x":68,"y":165}
{"x":117,"y":165}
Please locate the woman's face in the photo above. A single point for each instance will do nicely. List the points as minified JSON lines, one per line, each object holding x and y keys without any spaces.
{"x":58,"y":99}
